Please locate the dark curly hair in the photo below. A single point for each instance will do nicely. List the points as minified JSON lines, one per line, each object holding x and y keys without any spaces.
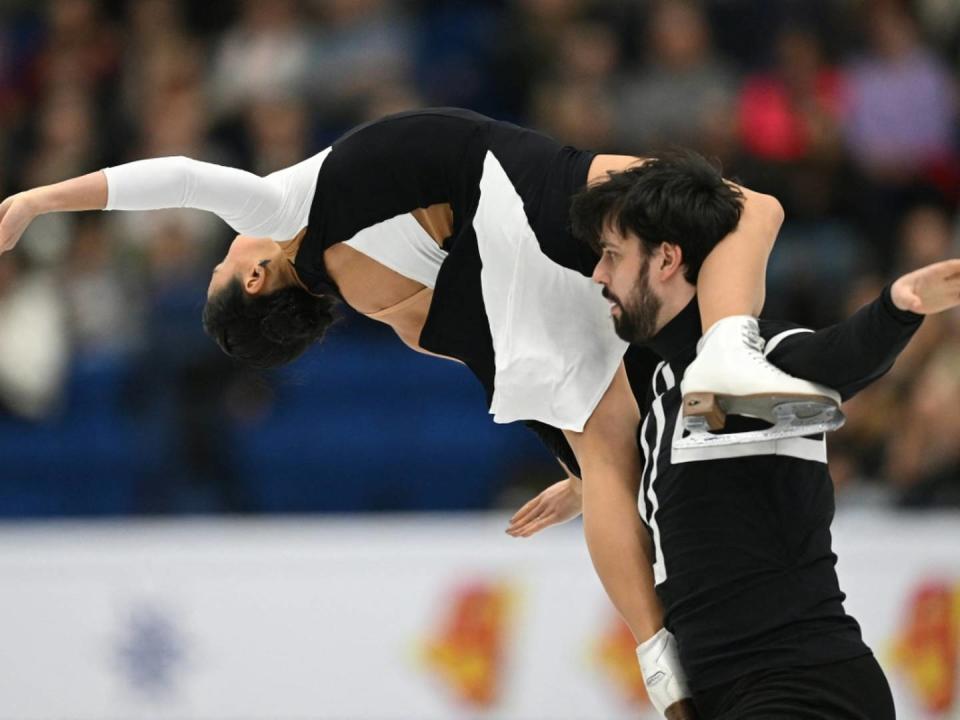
{"x":680,"y":198}
{"x":265,"y":331}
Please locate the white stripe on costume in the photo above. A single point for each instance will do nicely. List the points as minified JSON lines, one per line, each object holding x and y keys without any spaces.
{"x":659,"y":565}
{"x":772,"y":343}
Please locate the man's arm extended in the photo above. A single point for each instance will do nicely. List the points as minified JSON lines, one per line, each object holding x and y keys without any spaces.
{"x":853,"y":353}
{"x":618,"y":543}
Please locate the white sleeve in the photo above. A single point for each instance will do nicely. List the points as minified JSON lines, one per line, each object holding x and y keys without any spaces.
{"x":276,"y":206}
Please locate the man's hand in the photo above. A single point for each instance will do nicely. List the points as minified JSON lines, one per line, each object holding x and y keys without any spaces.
{"x":560,"y":502}
{"x":16,"y":214}
{"x":930,"y":289}
{"x":683,"y":710}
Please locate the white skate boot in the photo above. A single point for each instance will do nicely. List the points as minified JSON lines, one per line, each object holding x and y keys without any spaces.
{"x":731,"y":375}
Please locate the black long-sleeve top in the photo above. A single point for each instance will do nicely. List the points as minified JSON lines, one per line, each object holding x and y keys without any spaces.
{"x":744,"y":565}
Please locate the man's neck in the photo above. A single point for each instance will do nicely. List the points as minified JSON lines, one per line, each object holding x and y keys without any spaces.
{"x":673,"y":303}
{"x":680,"y":329}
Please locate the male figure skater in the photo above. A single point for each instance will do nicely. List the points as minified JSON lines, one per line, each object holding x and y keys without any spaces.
{"x":739,"y":535}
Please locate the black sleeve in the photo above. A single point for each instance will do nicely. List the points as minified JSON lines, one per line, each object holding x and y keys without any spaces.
{"x":556,"y":443}
{"x":397,"y":164}
{"x":853,"y":353}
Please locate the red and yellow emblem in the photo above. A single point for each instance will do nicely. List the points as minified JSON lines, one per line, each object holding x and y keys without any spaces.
{"x":616,"y":652}
{"x":926,"y":649}
{"x":468,"y":650}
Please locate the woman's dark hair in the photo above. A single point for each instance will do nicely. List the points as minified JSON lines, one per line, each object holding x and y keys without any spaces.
{"x":266,"y":331}
{"x":679,"y":198}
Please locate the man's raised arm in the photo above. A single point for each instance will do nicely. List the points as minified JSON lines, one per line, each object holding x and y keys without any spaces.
{"x":853,"y":353}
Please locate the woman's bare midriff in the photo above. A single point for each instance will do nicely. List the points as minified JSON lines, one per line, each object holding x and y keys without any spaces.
{"x":379,"y":292}
{"x":374,"y":289}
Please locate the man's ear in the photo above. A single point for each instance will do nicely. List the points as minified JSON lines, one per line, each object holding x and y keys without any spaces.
{"x":670,"y":261}
{"x":255,"y":279}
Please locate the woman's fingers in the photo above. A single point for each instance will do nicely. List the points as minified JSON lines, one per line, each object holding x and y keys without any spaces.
{"x":517,"y":525}
{"x":537,"y":525}
{"x":523,"y":529}
{"x":541,"y":511}
{"x":950,"y":268}
{"x":557,"y":504}
{"x":5,"y":205}
{"x":11,"y":226}
{"x":527,"y":508}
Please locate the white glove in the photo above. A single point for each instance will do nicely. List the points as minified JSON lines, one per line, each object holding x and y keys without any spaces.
{"x":664,"y":678}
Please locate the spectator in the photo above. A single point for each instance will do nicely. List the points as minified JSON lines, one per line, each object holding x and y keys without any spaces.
{"x":159,"y":56}
{"x":363,"y":51}
{"x":923,"y":459}
{"x":576,"y":105}
{"x":684,"y":94}
{"x":82,"y":50}
{"x":269,"y":51}
{"x":795,"y":112}
{"x":789,"y":123}
{"x":279,"y":133}
{"x":903,"y":101}
{"x":102,"y":302}
{"x":33,"y":336}
{"x":925,"y":237}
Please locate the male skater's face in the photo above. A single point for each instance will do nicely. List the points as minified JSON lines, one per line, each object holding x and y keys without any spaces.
{"x":624,"y":272}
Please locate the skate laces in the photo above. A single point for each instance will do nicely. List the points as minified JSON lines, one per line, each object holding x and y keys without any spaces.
{"x":752,"y":338}
{"x":754,"y":342}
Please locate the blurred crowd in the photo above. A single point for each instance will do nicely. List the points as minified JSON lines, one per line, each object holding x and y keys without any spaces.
{"x":846,"y":110}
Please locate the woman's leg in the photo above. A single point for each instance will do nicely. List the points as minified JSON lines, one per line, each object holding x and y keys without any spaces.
{"x":732,"y":279}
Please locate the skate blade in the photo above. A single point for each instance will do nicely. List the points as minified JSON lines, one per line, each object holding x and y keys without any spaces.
{"x":792,"y":419}
{"x":715,"y":408}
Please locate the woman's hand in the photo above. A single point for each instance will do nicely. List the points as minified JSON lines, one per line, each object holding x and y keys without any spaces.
{"x":560,"y":502}
{"x":930,"y":289}
{"x":16,"y":214}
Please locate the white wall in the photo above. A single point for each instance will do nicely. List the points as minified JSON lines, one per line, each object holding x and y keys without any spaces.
{"x":356,"y":618}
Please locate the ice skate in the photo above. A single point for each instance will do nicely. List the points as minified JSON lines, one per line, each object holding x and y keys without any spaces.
{"x":731,"y":375}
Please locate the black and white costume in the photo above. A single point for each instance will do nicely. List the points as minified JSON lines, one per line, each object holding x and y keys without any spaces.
{"x":744,"y":566}
{"x":512,"y":297}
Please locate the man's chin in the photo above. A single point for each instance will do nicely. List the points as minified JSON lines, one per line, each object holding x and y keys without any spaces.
{"x":629,"y":331}
{"x":622,"y":330}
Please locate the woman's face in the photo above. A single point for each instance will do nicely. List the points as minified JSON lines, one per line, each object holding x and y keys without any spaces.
{"x":244,"y":255}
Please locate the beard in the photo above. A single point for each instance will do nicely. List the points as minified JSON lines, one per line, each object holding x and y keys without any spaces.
{"x":637,"y":322}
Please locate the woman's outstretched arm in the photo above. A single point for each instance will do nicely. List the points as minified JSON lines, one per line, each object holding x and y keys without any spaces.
{"x":276,"y":206}
{"x":87,"y":192}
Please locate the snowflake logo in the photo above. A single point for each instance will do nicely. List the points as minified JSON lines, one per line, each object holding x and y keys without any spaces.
{"x":150,"y":651}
